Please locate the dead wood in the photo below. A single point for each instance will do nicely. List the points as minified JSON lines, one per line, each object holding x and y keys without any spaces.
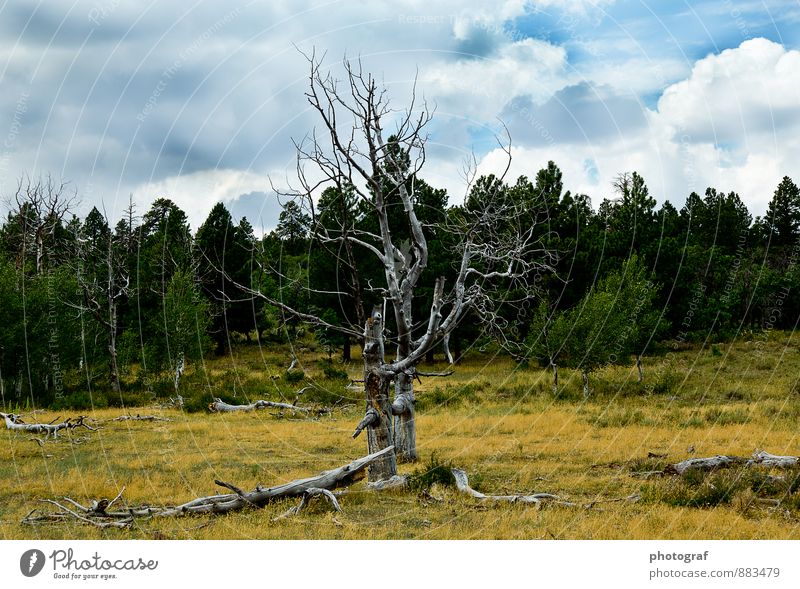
{"x":765,"y":458}
{"x":462,"y":484}
{"x":306,"y":498}
{"x":138,"y":417}
{"x":220,"y":406}
{"x":98,"y":513}
{"x":14,"y":422}
{"x":711,"y":463}
{"x":396,"y":482}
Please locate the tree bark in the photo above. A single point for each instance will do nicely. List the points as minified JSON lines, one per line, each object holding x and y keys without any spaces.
{"x":112,"y":352}
{"x":405,"y":427}
{"x":585,"y":375}
{"x":554,"y":367}
{"x":639,"y":368}
{"x":346,"y":351}
{"x":378,"y":419}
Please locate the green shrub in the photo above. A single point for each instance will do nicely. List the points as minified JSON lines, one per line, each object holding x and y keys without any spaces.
{"x":717,"y":416}
{"x":294,"y":376}
{"x":666,"y":382}
{"x":696,"y":488}
{"x":333,"y":372}
{"x":81,"y":400}
{"x":428,"y":475}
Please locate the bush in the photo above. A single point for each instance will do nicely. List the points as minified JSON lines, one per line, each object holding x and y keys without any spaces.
{"x":331,"y":371}
{"x":666,"y":382}
{"x":716,"y":416}
{"x":81,"y":400}
{"x":434,"y":472}
{"x":294,"y":376}
{"x":739,"y":487}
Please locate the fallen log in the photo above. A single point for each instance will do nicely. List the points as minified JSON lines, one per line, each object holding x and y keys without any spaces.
{"x":15,"y":423}
{"x":220,"y":406}
{"x":765,"y":458}
{"x":322,"y":484}
{"x":138,"y":417}
{"x":760,"y":457}
{"x":462,"y":484}
{"x":705,"y":464}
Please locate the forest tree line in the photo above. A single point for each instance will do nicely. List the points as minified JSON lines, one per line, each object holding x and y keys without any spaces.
{"x":83,"y":301}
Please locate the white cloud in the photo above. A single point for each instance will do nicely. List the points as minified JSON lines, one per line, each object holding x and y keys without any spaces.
{"x":748,"y":91}
{"x":482,"y":86}
{"x":732,"y":124}
{"x":198,"y":192}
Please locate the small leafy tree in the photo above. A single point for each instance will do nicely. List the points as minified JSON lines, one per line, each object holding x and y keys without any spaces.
{"x":184,"y":326}
{"x":611,"y":323}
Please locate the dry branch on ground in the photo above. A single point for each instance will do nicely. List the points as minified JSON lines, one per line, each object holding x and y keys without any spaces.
{"x":15,"y":423}
{"x":710,"y":463}
{"x":98,"y":513}
{"x":220,"y":406}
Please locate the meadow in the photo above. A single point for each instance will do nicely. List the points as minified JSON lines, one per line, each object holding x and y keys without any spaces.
{"x":497,"y":420}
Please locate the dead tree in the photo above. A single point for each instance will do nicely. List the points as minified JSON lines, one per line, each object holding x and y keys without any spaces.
{"x":355,"y":152}
{"x":41,"y":206}
{"x":103,"y":277}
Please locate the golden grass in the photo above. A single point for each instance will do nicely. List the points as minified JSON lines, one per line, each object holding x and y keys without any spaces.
{"x":499,"y":422}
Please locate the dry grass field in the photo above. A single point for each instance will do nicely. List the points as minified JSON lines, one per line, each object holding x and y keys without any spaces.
{"x":498,"y":421}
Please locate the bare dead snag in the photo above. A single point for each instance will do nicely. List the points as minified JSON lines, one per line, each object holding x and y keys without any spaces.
{"x":462,"y":484}
{"x":99,"y":515}
{"x":220,"y":406}
{"x":498,"y":243}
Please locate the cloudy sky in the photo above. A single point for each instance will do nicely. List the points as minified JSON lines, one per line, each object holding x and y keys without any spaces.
{"x":199,"y":102}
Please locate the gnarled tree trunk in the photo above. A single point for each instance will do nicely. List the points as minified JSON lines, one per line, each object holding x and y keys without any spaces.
{"x":378,"y":418}
{"x":405,"y":427}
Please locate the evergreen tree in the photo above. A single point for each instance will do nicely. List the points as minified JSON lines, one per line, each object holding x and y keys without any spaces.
{"x":783,"y":213}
